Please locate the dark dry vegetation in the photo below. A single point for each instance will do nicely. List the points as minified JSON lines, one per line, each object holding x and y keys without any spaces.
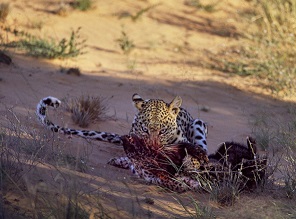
{"x":87,"y":109}
{"x":268,"y":55}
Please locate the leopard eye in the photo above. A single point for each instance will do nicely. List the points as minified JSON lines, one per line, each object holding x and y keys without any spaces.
{"x":144,"y":129}
{"x":162,"y":131}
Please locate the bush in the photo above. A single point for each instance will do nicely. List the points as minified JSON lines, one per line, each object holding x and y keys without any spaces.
{"x":48,"y":48}
{"x":87,"y":109}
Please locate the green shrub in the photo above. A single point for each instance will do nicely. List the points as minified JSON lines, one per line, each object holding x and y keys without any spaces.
{"x":210,"y":7}
{"x":125,"y":43}
{"x":48,"y":48}
{"x":83,"y":5}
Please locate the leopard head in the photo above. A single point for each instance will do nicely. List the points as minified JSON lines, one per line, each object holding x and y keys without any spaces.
{"x":156,"y":119}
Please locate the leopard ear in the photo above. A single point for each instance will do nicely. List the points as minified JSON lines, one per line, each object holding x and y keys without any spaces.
{"x":138,"y":101}
{"x":175,"y":105}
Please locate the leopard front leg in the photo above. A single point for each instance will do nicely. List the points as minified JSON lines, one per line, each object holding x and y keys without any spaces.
{"x":163,"y":179}
{"x":122,"y":162}
{"x":197,"y":133}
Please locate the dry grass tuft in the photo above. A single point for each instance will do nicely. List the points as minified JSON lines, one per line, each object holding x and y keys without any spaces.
{"x":87,"y":109}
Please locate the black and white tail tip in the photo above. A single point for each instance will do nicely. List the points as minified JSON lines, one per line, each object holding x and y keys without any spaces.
{"x":42,"y":107}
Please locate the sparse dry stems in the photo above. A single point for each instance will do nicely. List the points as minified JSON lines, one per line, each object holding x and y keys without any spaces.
{"x":87,"y":109}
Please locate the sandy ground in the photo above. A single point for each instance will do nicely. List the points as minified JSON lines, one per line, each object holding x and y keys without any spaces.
{"x":170,"y":40}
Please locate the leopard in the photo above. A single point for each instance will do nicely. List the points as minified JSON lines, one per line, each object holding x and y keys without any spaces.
{"x":168,"y":148}
{"x":154,"y":119}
